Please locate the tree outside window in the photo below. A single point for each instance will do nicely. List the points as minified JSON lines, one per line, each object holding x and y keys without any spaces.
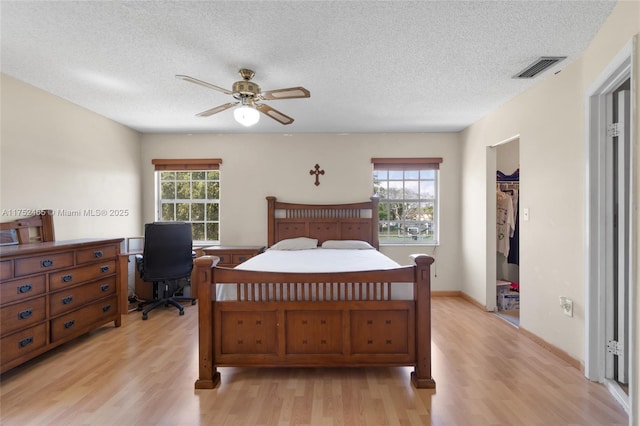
{"x":188,"y":195}
{"x":408,"y":193}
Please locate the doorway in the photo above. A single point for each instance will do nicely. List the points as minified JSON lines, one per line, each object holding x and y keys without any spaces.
{"x":610,"y":231}
{"x":502,"y":155}
{"x":507,"y":188}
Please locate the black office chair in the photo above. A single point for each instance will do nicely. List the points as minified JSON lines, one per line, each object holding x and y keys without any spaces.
{"x":167,"y":259}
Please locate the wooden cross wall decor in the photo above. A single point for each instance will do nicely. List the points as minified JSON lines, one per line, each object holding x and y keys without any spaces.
{"x":316,"y":171}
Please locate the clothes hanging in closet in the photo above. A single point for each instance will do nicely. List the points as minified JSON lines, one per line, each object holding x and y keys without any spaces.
{"x":505,"y":221}
{"x":514,"y":241}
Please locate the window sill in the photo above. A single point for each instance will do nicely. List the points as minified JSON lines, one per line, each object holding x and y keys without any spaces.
{"x":432,"y":244}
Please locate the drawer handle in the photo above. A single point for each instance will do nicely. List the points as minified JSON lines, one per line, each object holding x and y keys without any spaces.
{"x":25,"y":288}
{"x":25,"y":342}
{"x":97,"y":253}
{"x":69,"y":323}
{"x":25,"y":314}
{"x":243,"y":258}
{"x":104,"y":287}
{"x":67,"y":300}
{"x":104,"y":268}
{"x":67,"y":278}
{"x":46,"y":263}
{"x":221,"y":259}
{"x":105,"y":308}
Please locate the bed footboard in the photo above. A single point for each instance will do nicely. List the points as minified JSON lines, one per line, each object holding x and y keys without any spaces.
{"x":313,"y":320}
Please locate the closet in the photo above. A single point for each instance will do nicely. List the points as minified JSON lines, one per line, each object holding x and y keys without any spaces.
{"x":508,"y":232}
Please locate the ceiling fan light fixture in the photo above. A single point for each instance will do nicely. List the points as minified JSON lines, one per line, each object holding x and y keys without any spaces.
{"x":248,"y":94}
{"x":246,"y":115}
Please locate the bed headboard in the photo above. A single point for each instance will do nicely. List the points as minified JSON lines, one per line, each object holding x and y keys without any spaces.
{"x":354,"y":221}
{"x":38,"y":228}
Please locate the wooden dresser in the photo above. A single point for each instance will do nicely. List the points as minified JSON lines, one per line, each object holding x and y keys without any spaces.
{"x":52,"y":292}
{"x":231,"y":256}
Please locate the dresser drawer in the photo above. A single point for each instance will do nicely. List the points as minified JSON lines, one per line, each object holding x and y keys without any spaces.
{"x":6,"y":269}
{"x":21,"y":315}
{"x":45,"y":262}
{"x":70,"y":299}
{"x":237,"y":259}
{"x":71,"y":277}
{"x":84,"y":319}
{"x":231,"y":256}
{"x":93,"y":254}
{"x":11,"y":291}
{"x":225,"y":258}
{"x":23,"y":342}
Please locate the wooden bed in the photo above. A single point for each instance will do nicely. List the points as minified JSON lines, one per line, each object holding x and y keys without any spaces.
{"x":38,"y":228}
{"x":289,"y":331}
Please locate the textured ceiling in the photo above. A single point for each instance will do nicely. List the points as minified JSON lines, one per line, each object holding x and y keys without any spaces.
{"x":371,"y":66}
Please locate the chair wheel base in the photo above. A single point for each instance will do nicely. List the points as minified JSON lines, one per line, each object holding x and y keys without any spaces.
{"x":181,"y":311}
{"x":193,"y":302}
{"x":145,"y":316}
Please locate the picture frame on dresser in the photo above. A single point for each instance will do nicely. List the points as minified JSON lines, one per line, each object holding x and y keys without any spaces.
{"x":8,"y":237}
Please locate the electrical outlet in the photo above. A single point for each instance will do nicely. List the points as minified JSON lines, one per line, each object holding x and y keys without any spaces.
{"x":567,"y":306}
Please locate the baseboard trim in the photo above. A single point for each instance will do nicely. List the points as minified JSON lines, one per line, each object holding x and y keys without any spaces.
{"x":446,"y":293}
{"x":554,"y":350}
{"x":473,"y":301}
{"x":536,"y":339}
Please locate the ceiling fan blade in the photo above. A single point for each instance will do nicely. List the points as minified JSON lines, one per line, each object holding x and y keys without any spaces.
{"x":203,"y":83}
{"x":288,"y":93}
{"x":274,"y":113}
{"x":217,"y":109}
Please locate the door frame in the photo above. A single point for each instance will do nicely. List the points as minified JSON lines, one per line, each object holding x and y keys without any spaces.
{"x":619,"y":70}
{"x":491,"y":259}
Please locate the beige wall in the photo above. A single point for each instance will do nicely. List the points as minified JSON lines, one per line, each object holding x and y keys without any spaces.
{"x":255,"y":166}
{"x":550,"y":119}
{"x":59,"y":156}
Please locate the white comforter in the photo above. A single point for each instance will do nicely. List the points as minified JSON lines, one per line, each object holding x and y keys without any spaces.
{"x":318,"y":260}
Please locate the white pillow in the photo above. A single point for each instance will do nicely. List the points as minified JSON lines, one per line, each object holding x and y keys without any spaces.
{"x":346,"y":244}
{"x":300,"y":243}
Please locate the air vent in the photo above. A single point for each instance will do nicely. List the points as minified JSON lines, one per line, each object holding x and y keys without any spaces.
{"x":540,"y":65}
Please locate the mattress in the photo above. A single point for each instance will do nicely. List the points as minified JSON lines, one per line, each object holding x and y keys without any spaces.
{"x":319,"y":260}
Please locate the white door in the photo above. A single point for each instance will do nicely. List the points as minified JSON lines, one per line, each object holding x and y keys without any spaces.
{"x":618,"y":239}
{"x":611,"y":233}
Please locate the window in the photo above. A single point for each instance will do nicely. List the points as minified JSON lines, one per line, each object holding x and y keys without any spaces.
{"x":408,"y":193}
{"x":189,"y":191}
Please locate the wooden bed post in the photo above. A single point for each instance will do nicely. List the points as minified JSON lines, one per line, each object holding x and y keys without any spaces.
{"x":271,"y":226}
{"x":375,"y":221}
{"x":421,"y":376}
{"x":48,"y":233}
{"x":208,"y":376}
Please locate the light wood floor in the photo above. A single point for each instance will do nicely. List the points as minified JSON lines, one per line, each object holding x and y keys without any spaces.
{"x":487,"y":373}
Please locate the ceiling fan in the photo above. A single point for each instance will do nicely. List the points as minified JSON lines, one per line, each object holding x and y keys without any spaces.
{"x":248,"y":94}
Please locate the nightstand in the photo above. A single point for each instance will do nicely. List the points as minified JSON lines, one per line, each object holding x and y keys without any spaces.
{"x":231,"y":256}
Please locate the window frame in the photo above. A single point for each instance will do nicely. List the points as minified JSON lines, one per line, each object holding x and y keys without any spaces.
{"x":431,"y":234}
{"x":190,"y":166}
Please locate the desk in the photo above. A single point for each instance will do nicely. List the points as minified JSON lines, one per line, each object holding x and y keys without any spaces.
{"x":142,"y":289}
{"x":230,"y":256}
